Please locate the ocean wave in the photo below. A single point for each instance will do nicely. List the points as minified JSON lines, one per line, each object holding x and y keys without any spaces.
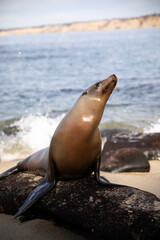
{"x":34,"y":133}
{"x":153,"y":128}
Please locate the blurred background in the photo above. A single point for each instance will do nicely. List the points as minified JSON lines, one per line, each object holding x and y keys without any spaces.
{"x":43,"y":69}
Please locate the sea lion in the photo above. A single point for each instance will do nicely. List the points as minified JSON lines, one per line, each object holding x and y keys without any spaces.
{"x":75,"y":148}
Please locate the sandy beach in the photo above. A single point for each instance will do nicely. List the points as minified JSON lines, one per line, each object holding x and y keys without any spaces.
{"x":147,"y":181}
{"x":44,"y":229}
{"x":37,"y":229}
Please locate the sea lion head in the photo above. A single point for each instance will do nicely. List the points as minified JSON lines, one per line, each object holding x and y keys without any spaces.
{"x":100,"y":91}
{"x":94,"y":99}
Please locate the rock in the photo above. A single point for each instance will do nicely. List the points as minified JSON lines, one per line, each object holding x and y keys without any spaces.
{"x":108,"y":213}
{"x":125,"y":160}
{"x":148,"y":144}
{"x":11,"y":130}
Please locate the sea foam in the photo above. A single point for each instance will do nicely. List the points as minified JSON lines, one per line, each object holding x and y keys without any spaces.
{"x":153,"y":128}
{"x":34,"y":133}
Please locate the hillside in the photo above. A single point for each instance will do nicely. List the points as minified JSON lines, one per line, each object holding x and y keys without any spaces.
{"x":148,"y":21}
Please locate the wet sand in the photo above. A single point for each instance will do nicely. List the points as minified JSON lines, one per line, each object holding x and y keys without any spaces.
{"x":37,"y":229}
{"x":43,"y":229}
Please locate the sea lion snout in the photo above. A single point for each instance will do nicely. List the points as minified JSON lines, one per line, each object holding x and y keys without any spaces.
{"x":114,"y":76}
{"x":109,"y":84}
{"x":113,"y":79}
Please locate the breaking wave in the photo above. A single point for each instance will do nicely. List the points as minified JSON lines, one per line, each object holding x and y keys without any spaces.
{"x":153,"y":128}
{"x":31,"y":133}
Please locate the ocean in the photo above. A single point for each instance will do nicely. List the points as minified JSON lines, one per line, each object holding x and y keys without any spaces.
{"x":42,"y":76}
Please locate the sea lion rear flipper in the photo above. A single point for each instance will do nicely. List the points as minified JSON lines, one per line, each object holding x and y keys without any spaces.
{"x":37,"y":193}
{"x":10,"y":170}
{"x":102,"y":180}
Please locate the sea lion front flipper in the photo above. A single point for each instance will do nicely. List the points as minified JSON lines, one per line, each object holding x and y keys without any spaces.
{"x":37,"y":193}
{"x":102,"y":180}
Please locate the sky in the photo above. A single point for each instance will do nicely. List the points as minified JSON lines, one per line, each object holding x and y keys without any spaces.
{"x":27,"y":13}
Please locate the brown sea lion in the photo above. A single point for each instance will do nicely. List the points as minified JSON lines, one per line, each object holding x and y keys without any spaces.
{"x":75,"y":148}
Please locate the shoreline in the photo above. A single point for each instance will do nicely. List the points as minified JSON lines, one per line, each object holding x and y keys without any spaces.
{"x":148,"y":21}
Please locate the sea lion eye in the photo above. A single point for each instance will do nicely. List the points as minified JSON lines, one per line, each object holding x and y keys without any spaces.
{"x":85,"y":93}
{"x":97,"y":84}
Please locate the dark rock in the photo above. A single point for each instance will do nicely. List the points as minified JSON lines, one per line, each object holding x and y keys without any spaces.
{"x":112,"y":132}
{"x":108,"y":213}
{"x":125,"y":160}
{"x":148,"y":144}
{"x":11,"y":130}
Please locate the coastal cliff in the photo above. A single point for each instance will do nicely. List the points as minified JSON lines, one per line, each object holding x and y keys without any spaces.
{"x":148,"y":21}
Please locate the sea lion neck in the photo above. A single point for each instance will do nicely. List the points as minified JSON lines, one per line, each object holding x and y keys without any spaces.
{"x":88,"y":110}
